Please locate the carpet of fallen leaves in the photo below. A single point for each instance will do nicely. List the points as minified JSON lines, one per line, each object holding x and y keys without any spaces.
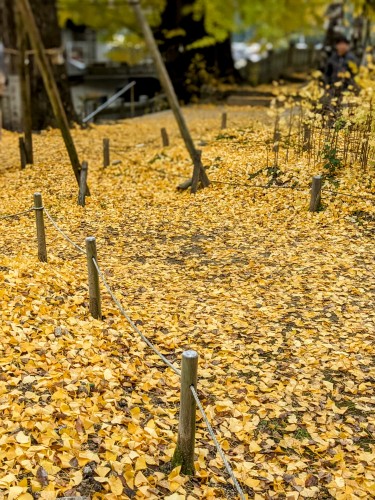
{"x":278,"y":302}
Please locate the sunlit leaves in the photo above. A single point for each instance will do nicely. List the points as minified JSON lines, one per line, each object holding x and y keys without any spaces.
{"x":277,"y":301}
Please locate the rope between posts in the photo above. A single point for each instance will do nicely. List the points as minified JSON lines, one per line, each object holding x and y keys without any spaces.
{"x":178,"y":372}
{"x":340,"y":193}
{"x":235,"y":184}
{"x":131,"y":323}
{"x":254,"y":186}
{"x":80,"y":249}
{"x":217,"y":444}
{"x":17,"y":215}
{"x":145,"y":339}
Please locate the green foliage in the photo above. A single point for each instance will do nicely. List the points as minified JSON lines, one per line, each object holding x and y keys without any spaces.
{"x":108,"y":16}
{"x":270,"y":18}
{"x":332,"y":164}
{"x":275,"y":19}
{"x":365,"y":6}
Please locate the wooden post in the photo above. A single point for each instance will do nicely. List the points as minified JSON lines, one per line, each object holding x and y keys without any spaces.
{"x":21,"y":144}
{"x":132,"y":102}
{"x":199,"y":174}
{"x":40,"y":231}
{"x":94,"y":289}
{"x":184,"y":453}
{"x":106,"y":153}
{"x":224,"y":120}
{"x":316,"y":195}
{"x":24,"y":74}
{"x":306,"y":137}
{"x":49,"y":83}
{"x":164,"y":137}
{"x":83,"y":184}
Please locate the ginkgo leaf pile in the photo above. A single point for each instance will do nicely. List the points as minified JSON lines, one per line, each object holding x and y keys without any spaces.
{"x":278,"y":302}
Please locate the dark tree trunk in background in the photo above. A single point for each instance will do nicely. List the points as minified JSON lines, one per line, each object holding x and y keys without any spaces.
{"x":8,"y":34}
{"x":190,"y":69}
{"x":45,"y":12}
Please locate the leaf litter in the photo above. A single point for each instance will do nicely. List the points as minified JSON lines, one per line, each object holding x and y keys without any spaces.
{"x":278,"y":302}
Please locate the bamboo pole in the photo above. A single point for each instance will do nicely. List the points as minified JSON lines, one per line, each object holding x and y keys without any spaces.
{"x":199,"y":174}
{"x":184,"y":453}
{"x":49,"y":83}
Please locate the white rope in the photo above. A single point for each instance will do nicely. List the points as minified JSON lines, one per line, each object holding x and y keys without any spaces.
{"x":161,"y":356}
{"x":178,"y":372}
{"x":80,"y":249}
{"x":17,"y":215}
{"x":217,"y":444}
{"x":341,"y":193}
{"x":132,"y":324}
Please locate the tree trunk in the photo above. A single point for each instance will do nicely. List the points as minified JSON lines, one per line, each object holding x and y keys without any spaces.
{"x":45,"y":12}
{"x":191,"y":69}
{"x":8,"y":33}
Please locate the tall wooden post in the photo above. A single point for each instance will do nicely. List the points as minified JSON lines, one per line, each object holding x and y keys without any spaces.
{"x":24,"y":74}
{"x":199,"y":173}
{"x":184,"y":453}
{"x":49,"y":83}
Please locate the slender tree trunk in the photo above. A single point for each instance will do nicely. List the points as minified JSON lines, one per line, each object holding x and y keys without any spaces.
{"x":190,"y":69}
{"x":45,"y":12}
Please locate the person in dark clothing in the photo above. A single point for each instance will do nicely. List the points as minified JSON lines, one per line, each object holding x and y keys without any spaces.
{"x":342,"y":66}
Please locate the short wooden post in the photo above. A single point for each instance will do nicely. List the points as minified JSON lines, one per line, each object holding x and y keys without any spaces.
{"x":316,"y":193}
{"x":224,"y":120}
{"x":83,"y":184}
{"x":306,"y":137}
{"x":40,"y":231}
{"x":21,"y":143}
{"x":132,"y":102}
{"x":94,"y":288}
{"x":106,"y":155}
{"x":164,"y":137}
{"x":184,"y":453}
